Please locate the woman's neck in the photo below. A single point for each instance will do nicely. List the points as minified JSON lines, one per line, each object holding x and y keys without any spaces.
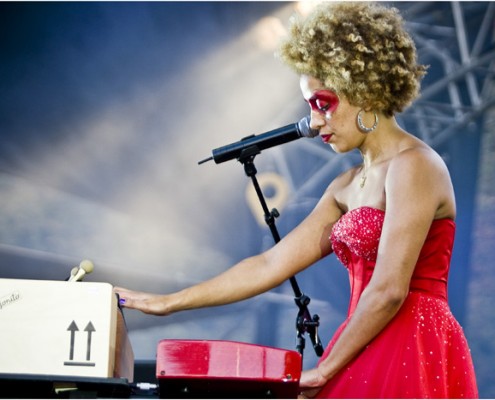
{"x":383,"y":143}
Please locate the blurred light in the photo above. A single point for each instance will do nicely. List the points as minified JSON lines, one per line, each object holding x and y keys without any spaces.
{"x":268,"y":32}
{"x":305,"y":7}
{"x":277,"y":199}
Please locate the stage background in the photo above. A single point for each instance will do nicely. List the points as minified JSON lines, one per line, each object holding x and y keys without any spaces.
{"x":106,"y":109}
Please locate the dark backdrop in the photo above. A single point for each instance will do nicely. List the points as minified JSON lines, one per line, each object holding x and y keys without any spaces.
{"x":105,"y":110}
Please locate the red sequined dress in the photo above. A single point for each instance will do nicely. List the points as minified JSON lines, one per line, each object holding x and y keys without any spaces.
{"x":422,"y":352}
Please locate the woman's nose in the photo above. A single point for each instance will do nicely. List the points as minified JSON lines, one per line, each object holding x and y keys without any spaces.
{"x":317,"y":120}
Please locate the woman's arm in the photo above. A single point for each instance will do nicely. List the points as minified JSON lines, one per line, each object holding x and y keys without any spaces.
{"x":306,"y":244}
{"x":417,"y":186}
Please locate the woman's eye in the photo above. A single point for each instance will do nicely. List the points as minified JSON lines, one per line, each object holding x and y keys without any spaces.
{"x":323,"y":101}
{"x":322,"y":105}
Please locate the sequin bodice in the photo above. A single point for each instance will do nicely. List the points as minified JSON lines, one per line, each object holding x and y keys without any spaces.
{"x":355,"y":239}
{"x":358,"y":232}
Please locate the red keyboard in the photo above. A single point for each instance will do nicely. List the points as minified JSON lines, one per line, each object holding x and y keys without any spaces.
{"x":224,"y":369}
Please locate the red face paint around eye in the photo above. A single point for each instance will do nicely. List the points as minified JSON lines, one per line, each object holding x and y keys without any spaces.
{"x":324,"y":101}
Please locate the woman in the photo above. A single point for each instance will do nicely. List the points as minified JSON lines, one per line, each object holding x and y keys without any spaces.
{"x":390,"y":220}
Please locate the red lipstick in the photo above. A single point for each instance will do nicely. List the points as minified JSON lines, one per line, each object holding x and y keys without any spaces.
{"x":326,"y":138}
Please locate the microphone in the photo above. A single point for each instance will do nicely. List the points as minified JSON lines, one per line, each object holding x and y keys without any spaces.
{"x":85,"y":267}
{"x":263,"y":141}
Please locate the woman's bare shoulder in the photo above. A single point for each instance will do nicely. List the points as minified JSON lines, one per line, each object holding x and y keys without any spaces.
{"x":418,"y":157}
{"x":419,"y":173}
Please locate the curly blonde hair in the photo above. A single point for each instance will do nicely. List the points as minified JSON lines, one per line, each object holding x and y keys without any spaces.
{"x":360,"y":50}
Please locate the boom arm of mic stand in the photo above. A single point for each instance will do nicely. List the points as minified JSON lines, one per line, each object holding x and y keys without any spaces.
{"x":304,"y":321}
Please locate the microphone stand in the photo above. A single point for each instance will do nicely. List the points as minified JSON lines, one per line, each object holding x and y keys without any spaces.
{"x":304,"y":322}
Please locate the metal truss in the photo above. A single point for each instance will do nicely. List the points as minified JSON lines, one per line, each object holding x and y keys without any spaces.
{"x":457,"y":40}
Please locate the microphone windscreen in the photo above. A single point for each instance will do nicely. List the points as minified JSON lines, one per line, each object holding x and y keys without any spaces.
{"x":304,"y":128}
{"x":87,"y":266}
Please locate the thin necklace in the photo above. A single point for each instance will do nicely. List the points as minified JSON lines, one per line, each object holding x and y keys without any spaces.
{"x":362,"y":181}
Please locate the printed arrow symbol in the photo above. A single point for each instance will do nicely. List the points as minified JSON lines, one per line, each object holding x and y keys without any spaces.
{"x":90,"y":329}
{"x":73,"y":329}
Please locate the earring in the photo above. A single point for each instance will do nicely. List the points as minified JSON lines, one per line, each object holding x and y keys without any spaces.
{"x":363,"y":128}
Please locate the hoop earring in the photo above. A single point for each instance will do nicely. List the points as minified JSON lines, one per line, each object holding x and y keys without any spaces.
{"x":361,"y":126}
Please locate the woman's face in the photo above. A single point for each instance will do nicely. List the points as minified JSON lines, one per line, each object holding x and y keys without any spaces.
{"x":332,"y":115}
